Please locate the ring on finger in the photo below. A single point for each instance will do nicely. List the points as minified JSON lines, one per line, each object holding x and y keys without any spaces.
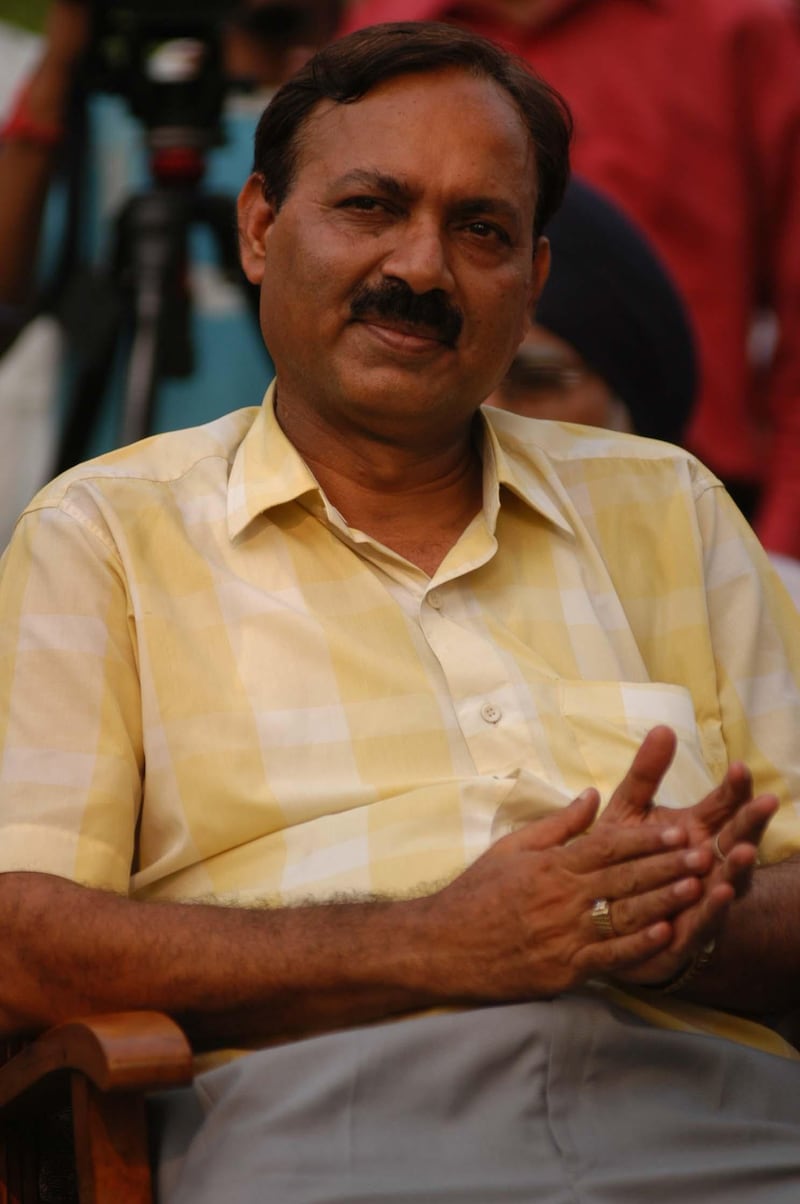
{"x":718,"y":853}
{"x":601,"y":918}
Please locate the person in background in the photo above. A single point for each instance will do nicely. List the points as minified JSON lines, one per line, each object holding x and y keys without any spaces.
{"x":261,"y":44}
{"x":687,"y":114}
{"x":611,"y":344}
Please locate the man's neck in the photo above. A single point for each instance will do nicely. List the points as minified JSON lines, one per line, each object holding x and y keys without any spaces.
{"x":416,"y":499}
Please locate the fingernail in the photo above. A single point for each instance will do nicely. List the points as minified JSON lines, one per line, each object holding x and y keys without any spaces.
{"x":672,"y":836}
{"x":695,"y":859}
{"x":686,"y":886}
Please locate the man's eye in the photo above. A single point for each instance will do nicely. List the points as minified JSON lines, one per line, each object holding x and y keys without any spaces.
{"x":489,"y":230}
{"x":367,"y":204}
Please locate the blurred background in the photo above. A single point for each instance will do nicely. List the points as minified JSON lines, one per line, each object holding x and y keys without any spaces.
{"x":673,"y":308}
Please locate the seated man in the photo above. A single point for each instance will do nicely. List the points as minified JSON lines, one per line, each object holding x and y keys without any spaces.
{"x":307,"y":716}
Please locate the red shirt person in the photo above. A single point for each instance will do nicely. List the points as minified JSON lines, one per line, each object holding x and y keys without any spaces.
{"x":687,"y":113}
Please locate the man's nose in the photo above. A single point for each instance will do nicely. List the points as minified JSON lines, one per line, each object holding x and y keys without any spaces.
{"x":419,"y":256}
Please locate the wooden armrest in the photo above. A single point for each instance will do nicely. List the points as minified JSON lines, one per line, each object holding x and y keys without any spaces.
{"x":789,"y":1027}
{"x":119,"y":1052}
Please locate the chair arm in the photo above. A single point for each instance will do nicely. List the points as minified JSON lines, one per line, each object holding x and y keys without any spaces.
{"x":118,"y":1052}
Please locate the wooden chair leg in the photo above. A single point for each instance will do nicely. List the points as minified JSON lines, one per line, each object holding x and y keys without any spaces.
{"x":111,"y":1148}
{"x":18,"y":1178}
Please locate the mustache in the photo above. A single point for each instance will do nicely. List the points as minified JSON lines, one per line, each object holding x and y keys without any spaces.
{"x":394,"y":299}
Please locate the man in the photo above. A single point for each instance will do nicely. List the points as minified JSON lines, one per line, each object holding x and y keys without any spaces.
{"x":687,"y":113}
{"x":306,"y":714}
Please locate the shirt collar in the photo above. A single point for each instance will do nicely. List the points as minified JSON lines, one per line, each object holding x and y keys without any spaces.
{"x":512,"y":460}
{"x":269,"y":471}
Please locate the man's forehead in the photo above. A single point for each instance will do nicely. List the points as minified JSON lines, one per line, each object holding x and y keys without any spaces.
{"x":396,"y":102}
{"x":424,"y":85}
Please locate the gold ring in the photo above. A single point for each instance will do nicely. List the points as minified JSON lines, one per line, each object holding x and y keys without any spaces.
{"x":718,"y":853}
{"x":601,"y":918}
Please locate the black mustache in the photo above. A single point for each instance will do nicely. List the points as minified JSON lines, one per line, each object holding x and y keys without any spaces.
{"x":394,"y":299}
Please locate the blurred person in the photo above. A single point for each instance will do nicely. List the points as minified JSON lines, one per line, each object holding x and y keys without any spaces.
{"x":262,"y":44}
{"x":611,"y":344}
{"x":687,"y":113}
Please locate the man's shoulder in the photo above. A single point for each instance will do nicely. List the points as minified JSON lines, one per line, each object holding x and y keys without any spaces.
{"x":571,"y":451}
{"x":160,"y":461}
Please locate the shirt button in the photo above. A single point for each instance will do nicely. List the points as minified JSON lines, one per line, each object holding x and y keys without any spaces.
{"x":491,"y":713}
{"x":435,"y":600}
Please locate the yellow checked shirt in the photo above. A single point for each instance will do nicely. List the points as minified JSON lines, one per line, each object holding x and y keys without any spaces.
{"x":211,"y":688}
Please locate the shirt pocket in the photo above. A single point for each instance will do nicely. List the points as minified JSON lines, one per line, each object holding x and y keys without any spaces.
{"x":609,"y":720}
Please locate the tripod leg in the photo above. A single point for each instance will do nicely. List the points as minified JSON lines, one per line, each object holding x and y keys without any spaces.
{"x":155,"y":230}
{"x":143,"y":366}
{"x":96,"y":359}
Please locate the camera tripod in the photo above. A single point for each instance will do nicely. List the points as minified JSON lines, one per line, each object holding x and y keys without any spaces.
{"x":141,"y":304}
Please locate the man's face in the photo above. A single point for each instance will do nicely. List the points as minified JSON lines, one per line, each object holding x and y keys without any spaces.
{"x":399,"y":270}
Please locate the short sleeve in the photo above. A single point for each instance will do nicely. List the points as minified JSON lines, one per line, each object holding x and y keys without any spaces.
{"x":71,"y":757}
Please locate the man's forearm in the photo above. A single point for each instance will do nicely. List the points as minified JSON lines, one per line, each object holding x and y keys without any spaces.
{"x":756,"y":965}
{"x":516,"y":924}
{"x":228,"y":973}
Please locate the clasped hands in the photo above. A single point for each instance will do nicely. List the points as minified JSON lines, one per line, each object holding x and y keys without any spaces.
{"x":669,"y":876}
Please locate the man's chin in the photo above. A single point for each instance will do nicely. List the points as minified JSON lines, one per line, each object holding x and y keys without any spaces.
{"x":391,"y":402}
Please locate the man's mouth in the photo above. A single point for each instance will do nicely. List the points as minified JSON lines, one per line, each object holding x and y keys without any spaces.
{"x":404,"y":332}
{"x":413,"y":319}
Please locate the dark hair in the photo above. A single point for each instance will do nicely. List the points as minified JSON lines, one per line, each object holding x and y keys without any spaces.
{"x":349,"y":68}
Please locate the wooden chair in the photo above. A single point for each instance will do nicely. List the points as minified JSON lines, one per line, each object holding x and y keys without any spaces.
{"x":84,"y":1082}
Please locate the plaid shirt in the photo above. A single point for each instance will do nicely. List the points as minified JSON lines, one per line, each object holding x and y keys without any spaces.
{"x":212,"y":688}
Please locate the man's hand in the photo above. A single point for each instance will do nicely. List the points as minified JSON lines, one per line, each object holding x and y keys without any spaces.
{"x":518,"y":923}
{"x":728,"y":822}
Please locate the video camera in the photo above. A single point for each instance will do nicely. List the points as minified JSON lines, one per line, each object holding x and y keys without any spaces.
{"x":165,"y":58}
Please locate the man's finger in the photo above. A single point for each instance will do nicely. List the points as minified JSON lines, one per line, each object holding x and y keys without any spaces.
{"x":638,"y":875}
{"x":748,"y":825}
{"x":695,"y":926}
{"x":634,"y":795}
{"x":610,"y":956}
{"x":723,"y":802}
{"x":641,"y":911}
{"x":606,"y":846}
{"x":561,"y":826}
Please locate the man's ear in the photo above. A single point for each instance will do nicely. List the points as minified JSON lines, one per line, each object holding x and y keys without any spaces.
{"x":255,"y":215}
{"x":541,"y":270}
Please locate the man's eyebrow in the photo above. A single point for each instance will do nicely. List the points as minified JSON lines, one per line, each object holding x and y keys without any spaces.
{"x":398,"y":190}
{"x":375,"y":181}
{"x":491,"y":206}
